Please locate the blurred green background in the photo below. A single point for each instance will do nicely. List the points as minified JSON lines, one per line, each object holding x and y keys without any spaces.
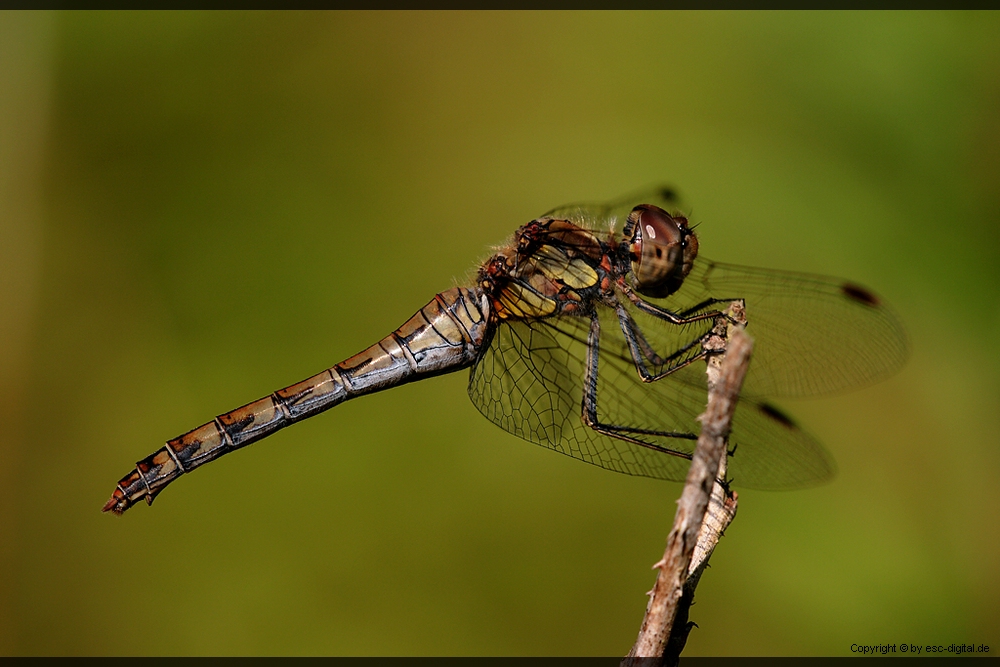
{"x":201,"y":208}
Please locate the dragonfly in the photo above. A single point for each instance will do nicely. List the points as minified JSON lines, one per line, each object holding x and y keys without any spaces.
{"x":582,"y":334}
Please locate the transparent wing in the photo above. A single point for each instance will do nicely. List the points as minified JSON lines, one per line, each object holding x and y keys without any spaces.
{"x":813,"y":334}
{"x":530,"y":382}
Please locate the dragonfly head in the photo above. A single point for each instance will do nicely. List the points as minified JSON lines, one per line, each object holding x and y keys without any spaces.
{"x":662,"y":249}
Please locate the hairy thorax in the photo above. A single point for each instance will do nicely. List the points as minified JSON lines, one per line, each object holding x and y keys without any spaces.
{"x":551,"y":267}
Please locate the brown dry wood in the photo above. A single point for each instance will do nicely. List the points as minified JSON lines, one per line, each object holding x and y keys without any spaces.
{"x":694,"y":534}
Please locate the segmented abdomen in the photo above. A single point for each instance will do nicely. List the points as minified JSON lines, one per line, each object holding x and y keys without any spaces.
{"x":443,"y":336}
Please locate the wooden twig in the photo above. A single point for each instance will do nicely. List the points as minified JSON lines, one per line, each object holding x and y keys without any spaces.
{"x":720,"y":513}
{"x":694,"y":535}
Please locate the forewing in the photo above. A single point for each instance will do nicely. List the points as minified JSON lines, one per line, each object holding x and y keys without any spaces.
{"x":812,"y":334}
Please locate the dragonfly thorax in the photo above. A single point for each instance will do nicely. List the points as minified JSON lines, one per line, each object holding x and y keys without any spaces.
{"x":551,"y":267}
{"x":662,"y":250}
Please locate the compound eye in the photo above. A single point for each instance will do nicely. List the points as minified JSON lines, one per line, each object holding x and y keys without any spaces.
{"x":663,"y":249}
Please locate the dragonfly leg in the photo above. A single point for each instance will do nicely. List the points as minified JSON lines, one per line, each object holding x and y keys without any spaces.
{"x":636,"y":340}
{"x":589,"y":406}
{"x":642,"y":351}
{"x":685,"y":317}
{"x":705,"y":304}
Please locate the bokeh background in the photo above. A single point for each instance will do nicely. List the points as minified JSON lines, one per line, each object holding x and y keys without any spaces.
{"x":201,"y":208}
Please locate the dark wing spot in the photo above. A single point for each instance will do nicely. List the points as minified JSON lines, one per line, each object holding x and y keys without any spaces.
{"x":659,"y":252}
{"x":668,"y":194}
{"x":859,"y":294}
{"x":777,"y":415}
